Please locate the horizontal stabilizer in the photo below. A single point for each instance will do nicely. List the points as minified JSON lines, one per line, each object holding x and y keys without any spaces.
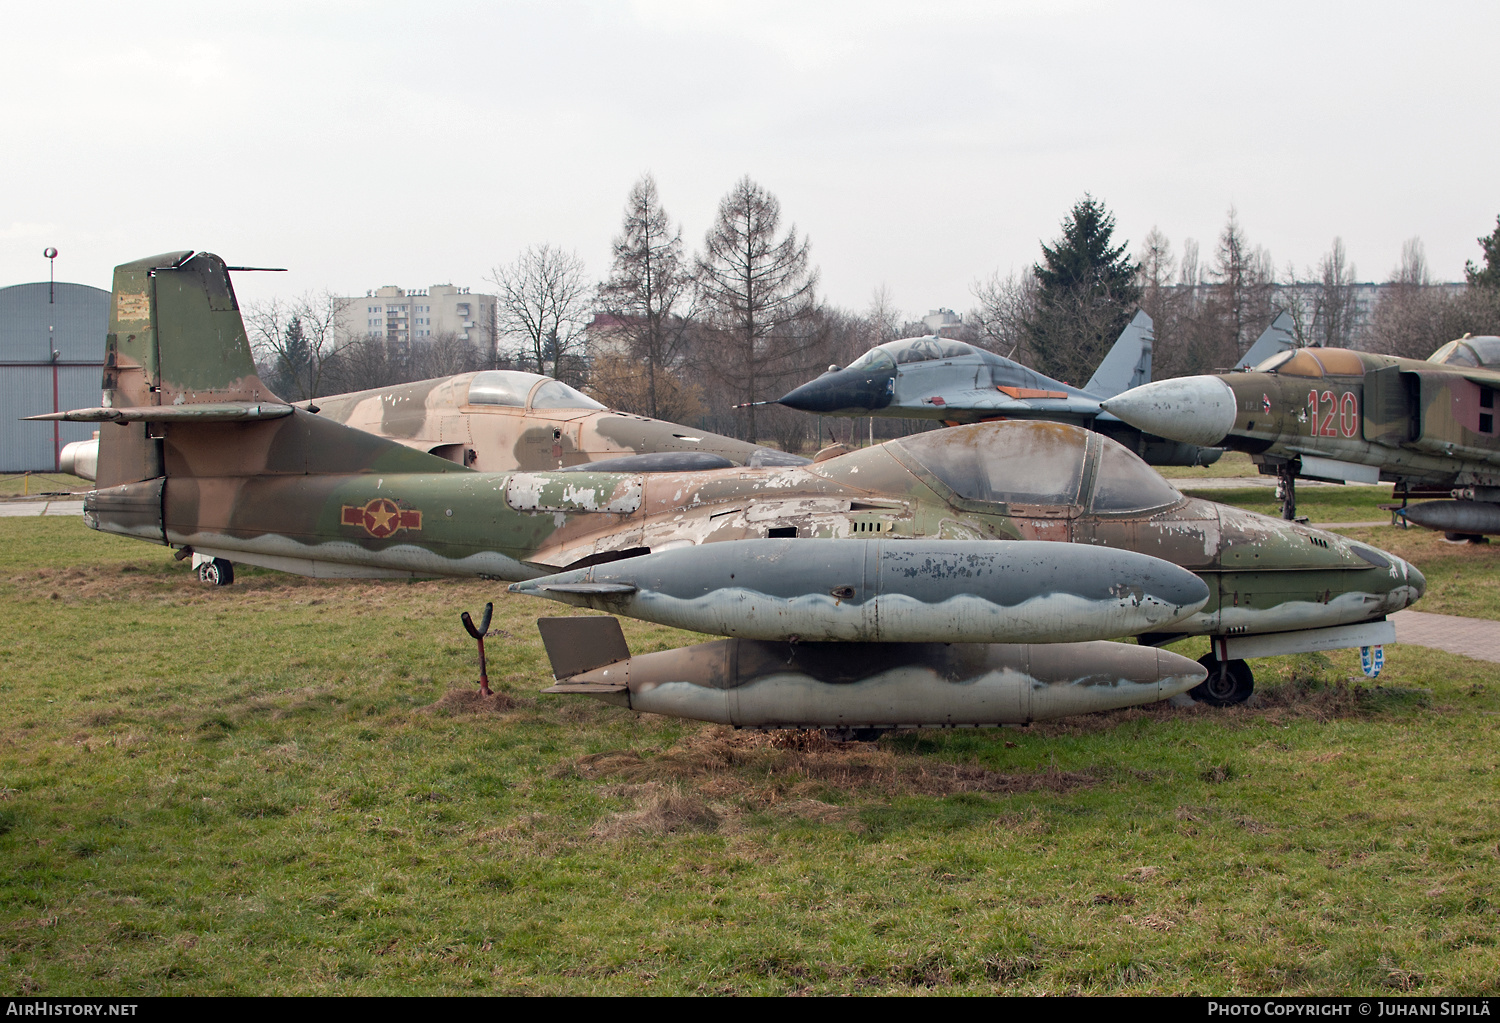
{"x":576,"y":645}
{"x":208,"y":412}
{"x":585,"y":688}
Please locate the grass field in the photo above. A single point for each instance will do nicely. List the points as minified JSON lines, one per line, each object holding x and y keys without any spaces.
{"x":287,"y":786}
{"x":34,"y":484}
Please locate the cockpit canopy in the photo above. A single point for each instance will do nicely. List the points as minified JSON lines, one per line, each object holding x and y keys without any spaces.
{"x":1313,"y":362}
{"x":1036,"y":463}
{"x":513,"y":388}
{"x":912,"y":349}
{"x":1472,"y":352}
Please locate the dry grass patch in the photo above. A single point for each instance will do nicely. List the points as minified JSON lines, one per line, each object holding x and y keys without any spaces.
{"x":764,"y":767}
{"x":663,"y":810}
{"x":457,"y":702}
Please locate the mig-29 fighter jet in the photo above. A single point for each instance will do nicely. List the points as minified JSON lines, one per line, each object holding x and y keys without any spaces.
{"x":955,"y":383}
{"x":1344,"y":416}
{"x":1024,"y":543}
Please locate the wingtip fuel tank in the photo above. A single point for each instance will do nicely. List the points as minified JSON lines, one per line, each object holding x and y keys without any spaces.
{"x":759,"y":684}
{"x":886,"y":591}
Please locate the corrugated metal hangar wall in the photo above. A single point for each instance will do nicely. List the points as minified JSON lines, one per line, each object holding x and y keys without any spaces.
{"x":51,"y":360}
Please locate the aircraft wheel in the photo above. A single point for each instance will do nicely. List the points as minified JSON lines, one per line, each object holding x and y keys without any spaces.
{"x":217,"y":572}
{"x":1235,"y":685}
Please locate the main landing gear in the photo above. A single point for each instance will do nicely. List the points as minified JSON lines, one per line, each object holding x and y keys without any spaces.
{"x":1286,"y":492}
{"x":1228,"y":682}
{"x":216,"y":572}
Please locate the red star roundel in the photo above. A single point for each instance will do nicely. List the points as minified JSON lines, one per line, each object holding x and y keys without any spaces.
{"x":381,"y":517}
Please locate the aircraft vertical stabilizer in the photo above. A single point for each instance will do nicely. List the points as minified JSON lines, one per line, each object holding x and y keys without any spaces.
{"x":1277,"y":338}
{"x":1128,"y":363}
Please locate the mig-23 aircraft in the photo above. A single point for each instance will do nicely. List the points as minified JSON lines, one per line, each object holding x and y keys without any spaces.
{"x":961,"y":577}
{"x":955,"y":383}
{"x":1344,"y":416}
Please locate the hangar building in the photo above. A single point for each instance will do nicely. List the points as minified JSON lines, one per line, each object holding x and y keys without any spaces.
{"x":51,"y":360}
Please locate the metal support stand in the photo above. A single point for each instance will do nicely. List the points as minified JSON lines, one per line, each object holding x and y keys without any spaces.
{"x":479,"y":634}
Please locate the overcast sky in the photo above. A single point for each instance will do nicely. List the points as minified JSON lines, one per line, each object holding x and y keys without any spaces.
{"x":919,"y":146}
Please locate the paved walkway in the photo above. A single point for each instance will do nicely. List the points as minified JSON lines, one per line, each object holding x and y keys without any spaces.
{"x":1242,"y":482}
{"x":9,"y":509}
{"x":1472,"y":637}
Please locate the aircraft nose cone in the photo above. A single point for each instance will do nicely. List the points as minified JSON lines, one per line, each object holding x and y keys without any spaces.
{"x":1193,"y":410}
{"x":1416,"y":580}
{"x":808,"y":397}
{"x":844,"y":390}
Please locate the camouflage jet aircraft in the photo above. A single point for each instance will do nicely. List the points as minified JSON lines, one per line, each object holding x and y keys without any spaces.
{"x":500,"y":420}
{"x":889,"y":552}
{"x":1345,"y":416}
{"x":955,"y":383}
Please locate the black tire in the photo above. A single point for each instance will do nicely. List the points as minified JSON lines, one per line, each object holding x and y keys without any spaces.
{"x":1235,"y":685}
{"x":217,"y":572}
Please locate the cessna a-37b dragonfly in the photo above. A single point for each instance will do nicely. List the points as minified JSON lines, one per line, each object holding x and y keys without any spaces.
{"x":958,"y":578}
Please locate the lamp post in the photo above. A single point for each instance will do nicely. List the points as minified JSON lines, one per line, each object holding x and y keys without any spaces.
{"x":51,"y":255}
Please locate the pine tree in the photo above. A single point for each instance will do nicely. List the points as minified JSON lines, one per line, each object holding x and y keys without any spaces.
{"x":1487,"y":276}
{"x":294,"y":362}
{"x":1086,"y":293}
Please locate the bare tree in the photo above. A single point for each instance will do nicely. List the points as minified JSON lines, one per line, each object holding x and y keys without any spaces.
{"x":883,"y":319}
{"x":299,"y":338}
{"x":1239,"y":305}
{"x":1006,"y":305}
{"x":542,"y":307}
{"x":1414,"y":316}
{"x":757,"y":293}
{"x":444,"y":355}
{"x":1322,"y":300}
{"x":647,"y":283}
{"x":1336,"y":299}
{"x":621,"y":381}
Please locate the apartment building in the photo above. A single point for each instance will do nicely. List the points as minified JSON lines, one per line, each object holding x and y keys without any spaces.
{"x":408,"y":315}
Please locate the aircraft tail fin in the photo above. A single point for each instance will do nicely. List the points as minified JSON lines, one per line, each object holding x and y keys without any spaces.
{"x":1276,"y":338}
{"x":176,"y":351}
{"x":182,"y":400}
{"x":1128,"y":363}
